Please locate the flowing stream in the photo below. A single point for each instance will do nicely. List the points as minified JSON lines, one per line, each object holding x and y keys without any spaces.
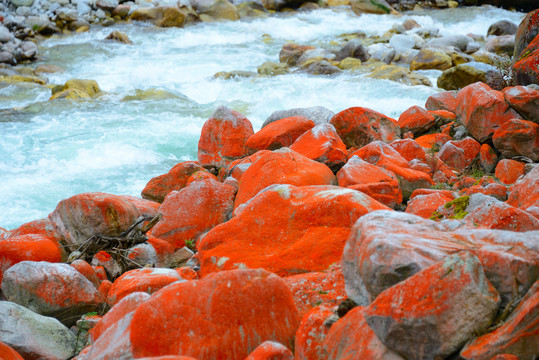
{"x":52,"y":150}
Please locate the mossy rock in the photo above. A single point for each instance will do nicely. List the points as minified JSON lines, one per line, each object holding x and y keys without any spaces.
{"x":228,"y":75}
{"x":399,"y":74}
{"x":349,"y":63}
{"x":153,"y":94}
{"x":464,"y":74}
{"x":251,"y":9}
{"x":89,"y":87}
{"x":431,"y":59}
{"x":72,"y":94}
{"x":272,"y":69}
{"x":21,"y":79}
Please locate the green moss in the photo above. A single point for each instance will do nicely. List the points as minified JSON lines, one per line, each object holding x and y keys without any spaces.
{"x":436,"y":215}
{"x":458,"y":207}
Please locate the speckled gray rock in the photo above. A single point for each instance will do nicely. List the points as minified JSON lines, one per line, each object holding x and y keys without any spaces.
{"x":382,"y":52}
{"x":458,"y":41}
{"x":34,"y":336}
{"x":318,"y":114}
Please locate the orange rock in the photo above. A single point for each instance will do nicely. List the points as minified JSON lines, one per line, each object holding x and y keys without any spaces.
{"x":223,"y":137}
{"x":234,"y":311}
{"x":487,"y":158}
{"x":431,"y":140}
{"x":525,"y":100}
{"x":56,"y":290}
{"x":103,"y":290}
{"x":351,"y":338}
{"x":87,"y":270}
{"x":39,"y":227}
{"x":376,"y":182}
{"x":497,"y":191}
{"x":200,"y":175}
{"x":446,"y":100}
{"x":425,"y":205}
{"x":409,"y":149}
{"x":278,"y":134}
{"x":459,"y":154}
{"x":508,"y":171}
{"x":168,"y":357}
{"x":315,"y":288}
{"x":176,"y":179}
{"x":192,"y":211}
{"x":518,"y":336}
{"x":271,"y":350}
{"x":523,"y":193}
{"x":417,"y":120}
{"x":445,"y":193}
{"x":440,"y":307}
{"x":100,"y":272}
{"x":237,"y":167}
{"x":482,"y":110}
{"x":30,"y":247}
{"x":525,"y":68}
{"x":505,"y":357}
{"x":518,"y":138}
{"x":187,"y":273}
{"x":108,"y":263}
{"x":311,"y":334}
{"x":443,"y":117}
{"x":147,"y":280}
{"x":125,"y":306}
{"x":7,"y":353}
{"x":322,"y":144}
{"x":286,"y":229}
{"x":358,"y":126}
{"x":282,"y":166}
{"x":163,"y":251}
{"x":79,"y":217}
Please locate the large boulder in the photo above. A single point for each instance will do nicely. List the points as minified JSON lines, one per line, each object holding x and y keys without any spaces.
{"x":527,"y":30}
{"x":525,"y":70}
{"x":278,"y":134}
{"x":223,"y":137}
{"x":445,"y":100}
{"x":223,"y":316}
{"x":56,"y":290}
{"x":523,"y":193}
{"x":440,"y":307}
{"x":462,"y":75}
{"x":286,"y":229}
{"x":525,"y":100}
{"x":416,"y":120}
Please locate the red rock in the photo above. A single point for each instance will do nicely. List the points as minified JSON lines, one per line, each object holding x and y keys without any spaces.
{"x":446,"y":100}
{"x":315,"y":288}
{"x":176,"y":179}
{"x":459,"y":154}
{"x":482,"y":110}
{"x":417,"y":120}
{"x":147,"y":280}
{"x":384,"y":248}
{"x":526,"y":67}
{"x":31,"y":247}
{"x":425,"y":205}
{"x":525,"y":100}
{"x":79,"y":217}
{"x":523,"y":193}
{"x":39,"y":227}
{"x":518,"y":336}
{"x":358,"y":126}
{"x":286,"y":229}
{"x":7,"y":353}
{"x":104,"y":289}
{"x":87,"y":270}
{"x":223,"y":137}
{"x":278,"y":134}
{"x":282,"y":166}
{"x":234,"y":311}
{"x":376,"y":182}
{"x":56,"y":290}
{"x":409,"y":149}
{"x":495,"y":190}
{"x":100,"y":272}
{"x":192,"y":211}
{"x":322,"y":144}
{"x":440,"y":307}
{"x":271,"y":350}
{"x":518,"y":138}
{"x":487,"y":158}
{"x":312,"y":332}
{"x":351,"y":338}
{"x":433,"y":140}
{"x":508,"y":171}
{"x":125,"y":306}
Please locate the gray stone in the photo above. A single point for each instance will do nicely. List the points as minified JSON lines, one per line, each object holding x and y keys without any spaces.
{"x":458,"y":41}
{"x":462,"y":75}
{"x":320,"y":67}
{"x":28,"y":50}
{"x":5,"y":35}
{"x":354,"y":49}
{"x":34,"y":336}
{"x":315,"y":54}
{"x":18,"y":3}
{"x":108,"y":5}
{"x":382,"y":52}
{"x":502,"y":27}
{"x":504,"y":44}
{"x":318,"y":114}
{"x":402,"y":42}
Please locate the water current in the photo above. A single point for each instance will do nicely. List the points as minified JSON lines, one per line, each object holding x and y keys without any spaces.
{"x":52,"y":150}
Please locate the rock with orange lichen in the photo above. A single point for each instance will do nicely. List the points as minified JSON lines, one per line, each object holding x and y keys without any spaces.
{"x":147,"y":280}
{"x":223,"y":137}
{"x":42,"y":227}
{"x":278,"y":134}
{"x":56,"y":290}
{"x":199,"y":176}
{"x":459,"y":154}
{"x":482,"y":110}
{"x":385,"y":248}
{"x":440,"y":307}
{"x":312,"y":332}
{"x":508,"y":171}
{"x":194,"y":210}
{"x":487,"y":158}
{"x":523,"y":193}
{"x":322,"y":144}
{"x":234,"y":312}
{"x":87,"y":270}
{"x":31,"y":247}
{"x":286,"y":229}
{"x":494,"y":189}
{"x":417,"y":120}
{"x":282,"y":166}
{"x":525,"y":100}
{"x":425,"y":205}
{"x":445,"y":100}
{"x":176,"y":179}
{"x":517,"y":336}
{"x":7,"y":353}
{"x":271,"y":350}
{"x":315,"y":288}
{"x":237,"y":167}
{"x":430,"y":141}
{"x":79,"y":217}
{"x":358,"y":126}
{"x":409,"y":149}
{"x":351,"y":338}
{"x":168,"y":357}
{"x":518,"y":138}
